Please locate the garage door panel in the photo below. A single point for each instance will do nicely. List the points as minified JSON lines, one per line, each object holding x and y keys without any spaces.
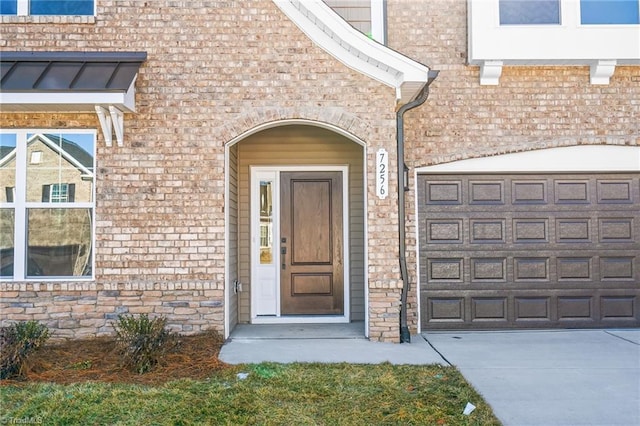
{"x":616,"y":229}
{"x":528,"y":251}
{"x":486,"y":192}
{"x":622,"y":308}
{"x":616,"y":191}
{"x":444,"y":231}
{"x":573,"y":309}
{"x":536,"y":269}
{"x":443,"y":192}
{"x":578,"y":191}
{"x":576,"y":308}
{"x":532,"y":228}
{"x":489,"y":310}
{"x":528,"y":192}
{"x":487,"y":231}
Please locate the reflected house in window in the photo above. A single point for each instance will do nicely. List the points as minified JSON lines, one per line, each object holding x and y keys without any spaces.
{"x":59,"y":224}
{"x":266,"y":223}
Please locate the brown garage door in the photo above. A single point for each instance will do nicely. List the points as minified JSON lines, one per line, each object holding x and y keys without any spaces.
{"x":529,"y":251}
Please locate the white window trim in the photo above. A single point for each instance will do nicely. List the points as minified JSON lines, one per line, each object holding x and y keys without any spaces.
{"x":378,"y":32}
{"x":601,"y":47}
{"x":20,"y":206}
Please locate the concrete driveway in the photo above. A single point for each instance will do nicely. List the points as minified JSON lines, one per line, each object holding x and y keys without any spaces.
{"x":545,"y":378}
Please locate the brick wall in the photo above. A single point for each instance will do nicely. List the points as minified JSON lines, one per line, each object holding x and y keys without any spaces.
{"x":215,"y":70}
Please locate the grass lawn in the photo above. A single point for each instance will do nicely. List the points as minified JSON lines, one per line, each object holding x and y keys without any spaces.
{"x":84,"y":382}
{"x":271,"y":394}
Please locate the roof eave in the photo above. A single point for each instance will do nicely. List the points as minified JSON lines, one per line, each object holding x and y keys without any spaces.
{"x":354,"y":49}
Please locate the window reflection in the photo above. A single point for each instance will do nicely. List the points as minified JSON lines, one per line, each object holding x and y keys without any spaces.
{"x":53,"y":192}
{"x":7,"y":226}
{"x":61,"y":7}
{"x":63,"y":172}
{"x":266,"y":222}
{"x":7,"y":167}
{"x":59,"y":242}
{"x":529,"y":12}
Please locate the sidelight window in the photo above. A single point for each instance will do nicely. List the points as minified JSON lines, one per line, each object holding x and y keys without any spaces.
{"x":266,"y":222}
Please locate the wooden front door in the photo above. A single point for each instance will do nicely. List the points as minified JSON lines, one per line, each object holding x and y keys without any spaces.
{"x":311,"y":243}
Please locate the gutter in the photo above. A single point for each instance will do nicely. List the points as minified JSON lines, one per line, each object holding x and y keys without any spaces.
{"x":405,"y":335}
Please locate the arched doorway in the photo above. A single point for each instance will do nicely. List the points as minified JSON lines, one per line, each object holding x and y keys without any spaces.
{"x":295,"y":226}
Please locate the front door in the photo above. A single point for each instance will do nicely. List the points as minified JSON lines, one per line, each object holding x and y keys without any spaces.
{"x":311,"y":243}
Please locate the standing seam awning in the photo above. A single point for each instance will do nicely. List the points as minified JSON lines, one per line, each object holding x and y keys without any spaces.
{"x":67,"y":81}
{"x":103,"y":82}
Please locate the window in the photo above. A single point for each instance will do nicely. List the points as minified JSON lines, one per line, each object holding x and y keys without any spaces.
{"x":529,"y":12}
{"x":266,"y":222}
{"x":602,"y":12}
{"x":46,"y":215}
{"x":36,"y":157}
{"x":46,"y":7}
{"x":58,"y":193}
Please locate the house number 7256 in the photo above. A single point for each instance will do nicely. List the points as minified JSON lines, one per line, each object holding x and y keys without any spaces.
{"x":382,"y":173}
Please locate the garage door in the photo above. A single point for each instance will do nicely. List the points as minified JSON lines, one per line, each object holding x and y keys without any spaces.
{"x":529,"y":251}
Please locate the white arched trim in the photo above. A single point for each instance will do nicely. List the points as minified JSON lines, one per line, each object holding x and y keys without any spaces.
{"x":581,"y":158}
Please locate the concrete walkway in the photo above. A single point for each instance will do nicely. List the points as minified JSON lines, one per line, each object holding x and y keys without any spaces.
{"x":538,"y":378}
{"x":330,"y":343}
{"x":586,"y":377}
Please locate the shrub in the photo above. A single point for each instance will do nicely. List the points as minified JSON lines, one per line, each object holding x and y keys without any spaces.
{"x":17,"y":342}
{"x":143,"y":342}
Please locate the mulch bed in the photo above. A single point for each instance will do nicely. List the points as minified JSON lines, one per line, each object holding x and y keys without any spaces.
{"x":96,"y":360}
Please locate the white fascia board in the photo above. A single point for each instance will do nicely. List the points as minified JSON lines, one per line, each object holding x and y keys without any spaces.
{"x":354,"y":49}
{"x":581,"y":158}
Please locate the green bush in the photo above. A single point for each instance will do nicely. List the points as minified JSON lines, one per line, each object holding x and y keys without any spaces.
{"x":142,"y":341}
{"x":17,"y":342}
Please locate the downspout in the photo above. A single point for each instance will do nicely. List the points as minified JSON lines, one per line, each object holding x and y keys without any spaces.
{"x":405,"y":335}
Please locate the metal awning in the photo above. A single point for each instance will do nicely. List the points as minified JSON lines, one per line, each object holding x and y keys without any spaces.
{"x":103,"y":82}
{"x":67,"y":81}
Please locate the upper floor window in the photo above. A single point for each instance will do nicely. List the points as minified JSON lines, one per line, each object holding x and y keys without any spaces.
{"x":47,"y":7}
{"x":529,"y":12}
{"x":47,"y":208}
{"x":615,"y":12}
